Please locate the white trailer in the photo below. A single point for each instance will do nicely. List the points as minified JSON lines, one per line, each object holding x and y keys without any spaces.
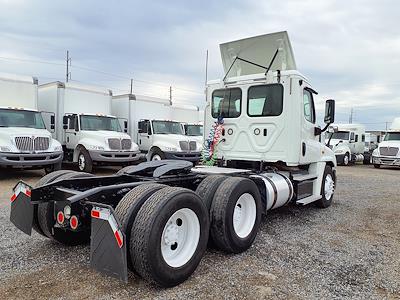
{"x":24,"y":140}
{"x":387,"y":153}
{"x":152,"y":126}
{"x":348,"y":143}
{"x":87,"y":130}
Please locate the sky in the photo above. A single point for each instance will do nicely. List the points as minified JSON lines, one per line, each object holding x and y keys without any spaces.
{"x":349,"y":50}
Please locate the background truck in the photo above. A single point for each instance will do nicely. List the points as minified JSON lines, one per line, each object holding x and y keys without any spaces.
{"x":348,"y":143}
{"x":151,"y":125}
{"x":24,"y":140}
{"x":371,"y":143}
{"x":188,"y":116}
{"x":387,"y":153}
{"x":85,"y":127}
{"x":156,"y":218}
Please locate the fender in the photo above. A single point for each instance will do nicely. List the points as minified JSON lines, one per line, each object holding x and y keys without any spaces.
{"x":86,"y":142}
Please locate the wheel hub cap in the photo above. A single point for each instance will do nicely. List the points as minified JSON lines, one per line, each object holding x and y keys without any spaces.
{"x":329,"y":187}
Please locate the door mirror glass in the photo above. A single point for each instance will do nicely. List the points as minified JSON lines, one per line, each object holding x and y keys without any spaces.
{"x":125,"y":126}
{"x":329,"y":111}
{"x":65,"y":122}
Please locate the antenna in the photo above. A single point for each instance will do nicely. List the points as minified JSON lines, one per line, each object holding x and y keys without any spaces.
{"x":68,"y":73}
{"x":351,"y":116}
{"x":206,"y":67}
{"x":131,"y":86}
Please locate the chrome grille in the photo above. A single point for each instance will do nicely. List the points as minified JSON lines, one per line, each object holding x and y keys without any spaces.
{"x":388,"y":151}
{"x":126,"y":144}
{"x":192,"y":145}
{"x":24,"y":143}
{"x":184,"y":145}
{"x":29,"y":144}
{"x":114,"y":144}
{"x":41,"y":143}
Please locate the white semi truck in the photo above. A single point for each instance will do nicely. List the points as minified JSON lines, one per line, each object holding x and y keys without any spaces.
{"x":387,"y":153}
{"x":188,"y":116}
{"x":24,"y":140}
{"x":156,"y":218}
{"x":87,"y":130}
{"x":348,"y":143}
{"x":152,"y":126}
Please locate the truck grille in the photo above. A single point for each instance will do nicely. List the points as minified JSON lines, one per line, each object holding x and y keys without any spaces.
{"x":117,"y":144}
{"x":388,"y":151}
{"x":29,"y":144}
{"x":186,"y":146}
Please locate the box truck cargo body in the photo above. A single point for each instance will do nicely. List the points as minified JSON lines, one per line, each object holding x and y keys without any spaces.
{"x":388,"y":151}
{"x":24,"y":140}
{"x":152,"y":126}
{"x":85,"y":127}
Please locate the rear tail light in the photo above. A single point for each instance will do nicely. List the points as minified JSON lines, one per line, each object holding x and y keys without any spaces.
{"x":60,"y":217}
{"x":73,"y":222}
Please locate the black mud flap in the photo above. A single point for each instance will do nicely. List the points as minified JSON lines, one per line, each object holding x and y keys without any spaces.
{"x":108,"y":245}
{"x":22,"y":208}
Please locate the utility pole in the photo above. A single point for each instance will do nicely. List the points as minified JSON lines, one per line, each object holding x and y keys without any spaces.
{"x":131,"y":86}
{"x":351,"y":116}
{"x":68,"y":73}
{"x":170,"y":94}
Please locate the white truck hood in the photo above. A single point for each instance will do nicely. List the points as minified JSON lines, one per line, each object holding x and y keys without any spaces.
{"x":389,"y":144}
{"x":106,"y":134}
{"x":8,"y":132}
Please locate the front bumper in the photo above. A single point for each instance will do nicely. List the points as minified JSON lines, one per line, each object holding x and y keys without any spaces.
{"x":386,"y":160}
{"x":22,"y":160}
{"x":114,"y":156}
{"x":340,"y":158}
{"x":189,"y":156}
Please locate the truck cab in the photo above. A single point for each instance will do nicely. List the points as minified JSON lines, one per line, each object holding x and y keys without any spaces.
{"x":164,"y":139}
{"x":25,"y":141}
{"x":348,"y":143}
{"x":194,"y":131}
{"x":387,"y":153}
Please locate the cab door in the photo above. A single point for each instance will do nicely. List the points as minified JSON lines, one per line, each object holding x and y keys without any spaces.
{"x":145,"y":135}
{"x":310,"y":147}
{"x":72,"y":131}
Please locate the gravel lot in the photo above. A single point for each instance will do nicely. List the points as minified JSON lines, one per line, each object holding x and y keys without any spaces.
{"x":350,"y":250}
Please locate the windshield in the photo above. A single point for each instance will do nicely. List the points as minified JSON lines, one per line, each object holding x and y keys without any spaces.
{"x":392,"y":136}
{"x":94,"y":123}
{"x":167,"y":127}
{"x":21,"y":118}
{"x":194,"y":130}
{"x":340,"y":135}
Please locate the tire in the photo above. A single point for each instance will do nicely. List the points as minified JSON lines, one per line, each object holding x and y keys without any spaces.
{"x":327,"y":179}
{"x":346,"y":159}
{"x":367,"y":159}
{"x":85,"y":163}
{"x":377,"y":166}
{"x":122,"y":171}
{"x":53,"y":168}
{"x":206,"y":189}
{"x":230,"y":197}
{"x":157,"y":154}
{"x":46,"y":220}
{"x":152,"y":258}
{"x":42,"y":181}
{"x":129,"y":206}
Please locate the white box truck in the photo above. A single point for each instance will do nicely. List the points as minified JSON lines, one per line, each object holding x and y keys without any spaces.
{"x":387,"y":153}
{"x":157,"y":218}
{"x":188,"y":116}
{"x":348,"y":143}
{"x":87,"y":130}
{"x":24,"y":140}
{"x":151,"y":125}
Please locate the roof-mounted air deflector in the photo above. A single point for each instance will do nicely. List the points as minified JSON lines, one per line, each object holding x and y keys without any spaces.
{"x":254,"y":55}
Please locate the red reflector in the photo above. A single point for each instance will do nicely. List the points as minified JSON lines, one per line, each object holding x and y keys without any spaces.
{"x":28,"y":193}
{"x":60,"y":217}
{"x":119,"y":238}
{"x":95,"y":214}
{"x":13,"y":197}
{"x":73,"y":222}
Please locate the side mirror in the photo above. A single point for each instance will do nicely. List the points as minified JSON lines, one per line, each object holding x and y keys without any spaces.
{"x":329,"y":111}
{"x":65,"y":122}
{"x":125,"y":126}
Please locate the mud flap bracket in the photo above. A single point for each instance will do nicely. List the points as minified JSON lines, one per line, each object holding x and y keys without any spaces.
{"x":22,"y":208}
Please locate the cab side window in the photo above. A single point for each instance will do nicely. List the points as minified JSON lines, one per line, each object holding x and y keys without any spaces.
{"x":308,"y":103}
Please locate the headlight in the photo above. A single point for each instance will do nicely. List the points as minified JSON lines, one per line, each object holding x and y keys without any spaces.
{"x":58,"y":148}
{"x":339,"y":151}
{"x":173,"y":149}
{"x":5,"y":149}
{"x":94,"y":147}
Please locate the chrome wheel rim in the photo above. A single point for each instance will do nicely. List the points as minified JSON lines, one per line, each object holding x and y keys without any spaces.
{"x":81,"y":162}
{"x":329,"y":187}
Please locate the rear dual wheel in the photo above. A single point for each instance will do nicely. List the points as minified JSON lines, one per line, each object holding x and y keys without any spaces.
{"x":168,"y":235}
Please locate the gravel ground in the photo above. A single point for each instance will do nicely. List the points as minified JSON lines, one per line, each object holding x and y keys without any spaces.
{"x":350,"y":250}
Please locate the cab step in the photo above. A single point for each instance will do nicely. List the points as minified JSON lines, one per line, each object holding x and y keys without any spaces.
{"x":309,"y":199}
{"x":303,"y":177}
